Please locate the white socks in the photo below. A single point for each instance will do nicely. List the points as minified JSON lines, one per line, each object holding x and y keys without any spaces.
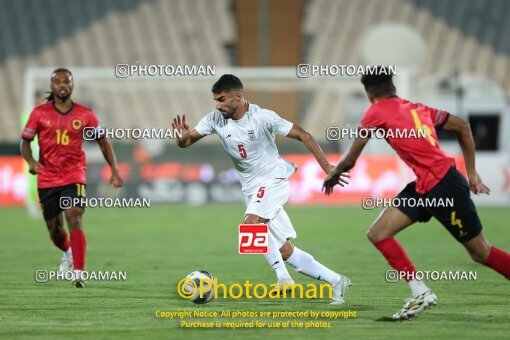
{"x":300,"y":260}
{"x":274,"y":258}
{"x":306,"y":264}
{"x":69,"y":253}
{"x":418,"y":287}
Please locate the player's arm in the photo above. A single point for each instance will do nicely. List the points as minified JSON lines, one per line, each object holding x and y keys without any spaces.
{"x":298,"y":133}
{"x":187,"y":137}
{"x":27,"y":136}
{"x":109,"y":156}
{"x":26,"y":152}
{"x":345,"y":164}
{"x":465,"y":137}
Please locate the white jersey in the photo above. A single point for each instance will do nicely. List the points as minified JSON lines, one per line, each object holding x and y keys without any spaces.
{"x":250,"y":143}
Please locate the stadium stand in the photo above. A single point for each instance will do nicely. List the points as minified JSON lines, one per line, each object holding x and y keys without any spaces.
{"x":99,"y":33}
{"x":333,"y":30}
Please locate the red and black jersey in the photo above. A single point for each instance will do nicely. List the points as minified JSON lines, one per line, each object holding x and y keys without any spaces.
{"x":423,"y":155}
{"x":60,"y":137}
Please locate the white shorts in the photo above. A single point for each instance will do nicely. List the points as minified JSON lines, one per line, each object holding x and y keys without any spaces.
{"x":267,"y":202}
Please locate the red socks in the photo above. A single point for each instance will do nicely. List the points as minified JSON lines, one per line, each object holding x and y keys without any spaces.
{"x":78,"y":245}
{"x":396,"y":257}
{"x":499,"y":261}
{"x":61,"y":242}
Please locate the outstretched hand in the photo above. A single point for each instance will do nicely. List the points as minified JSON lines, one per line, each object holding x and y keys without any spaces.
{"x":333,"y":179}
{"x":180,"y":127}
{"x":476,"y":184}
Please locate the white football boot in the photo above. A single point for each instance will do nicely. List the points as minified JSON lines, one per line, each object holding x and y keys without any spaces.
{"x":339,"y":290}
{"x":286,"y":284}
{"x":79,"y":281}
{"x":416,"y":305}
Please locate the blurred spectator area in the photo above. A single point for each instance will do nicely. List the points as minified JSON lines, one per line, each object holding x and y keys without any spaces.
{"x":469,"y":35}
{"x":99,"y":33}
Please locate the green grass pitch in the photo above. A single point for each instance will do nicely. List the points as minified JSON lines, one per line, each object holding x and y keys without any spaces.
{"x":160,"y":245}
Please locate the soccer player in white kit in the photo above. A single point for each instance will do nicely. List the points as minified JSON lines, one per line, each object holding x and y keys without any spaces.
{"x":247,"y":133}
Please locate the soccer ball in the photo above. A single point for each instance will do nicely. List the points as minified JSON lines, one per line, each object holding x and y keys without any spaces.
{"x":201,"y":278}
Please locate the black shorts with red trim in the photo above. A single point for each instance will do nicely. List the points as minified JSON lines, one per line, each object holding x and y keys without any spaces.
{"x":54,"y":200}
{"x":460,"y":218}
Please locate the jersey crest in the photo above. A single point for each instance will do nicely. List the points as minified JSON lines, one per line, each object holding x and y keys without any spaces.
{"x":251,"y":135}
{"x":76,"y":123}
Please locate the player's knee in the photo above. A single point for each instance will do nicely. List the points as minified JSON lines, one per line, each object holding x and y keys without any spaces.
{"x":373,"y":236}
{"x":55,"y":232}
{"x":479,"y":256}
{"x":379,"y":232}
{"x":479,"y":249}
{"x":74,"y":218}
{"x":52,"y":226}
{"x":253,"y":219}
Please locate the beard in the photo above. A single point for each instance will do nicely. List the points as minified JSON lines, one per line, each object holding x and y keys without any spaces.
{"x":229,"y":113}
{"x":62,"y":97}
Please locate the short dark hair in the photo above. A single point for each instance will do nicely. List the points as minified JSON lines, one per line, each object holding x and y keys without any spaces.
{"x":227,"y":82}
{"x":379,"y":82}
